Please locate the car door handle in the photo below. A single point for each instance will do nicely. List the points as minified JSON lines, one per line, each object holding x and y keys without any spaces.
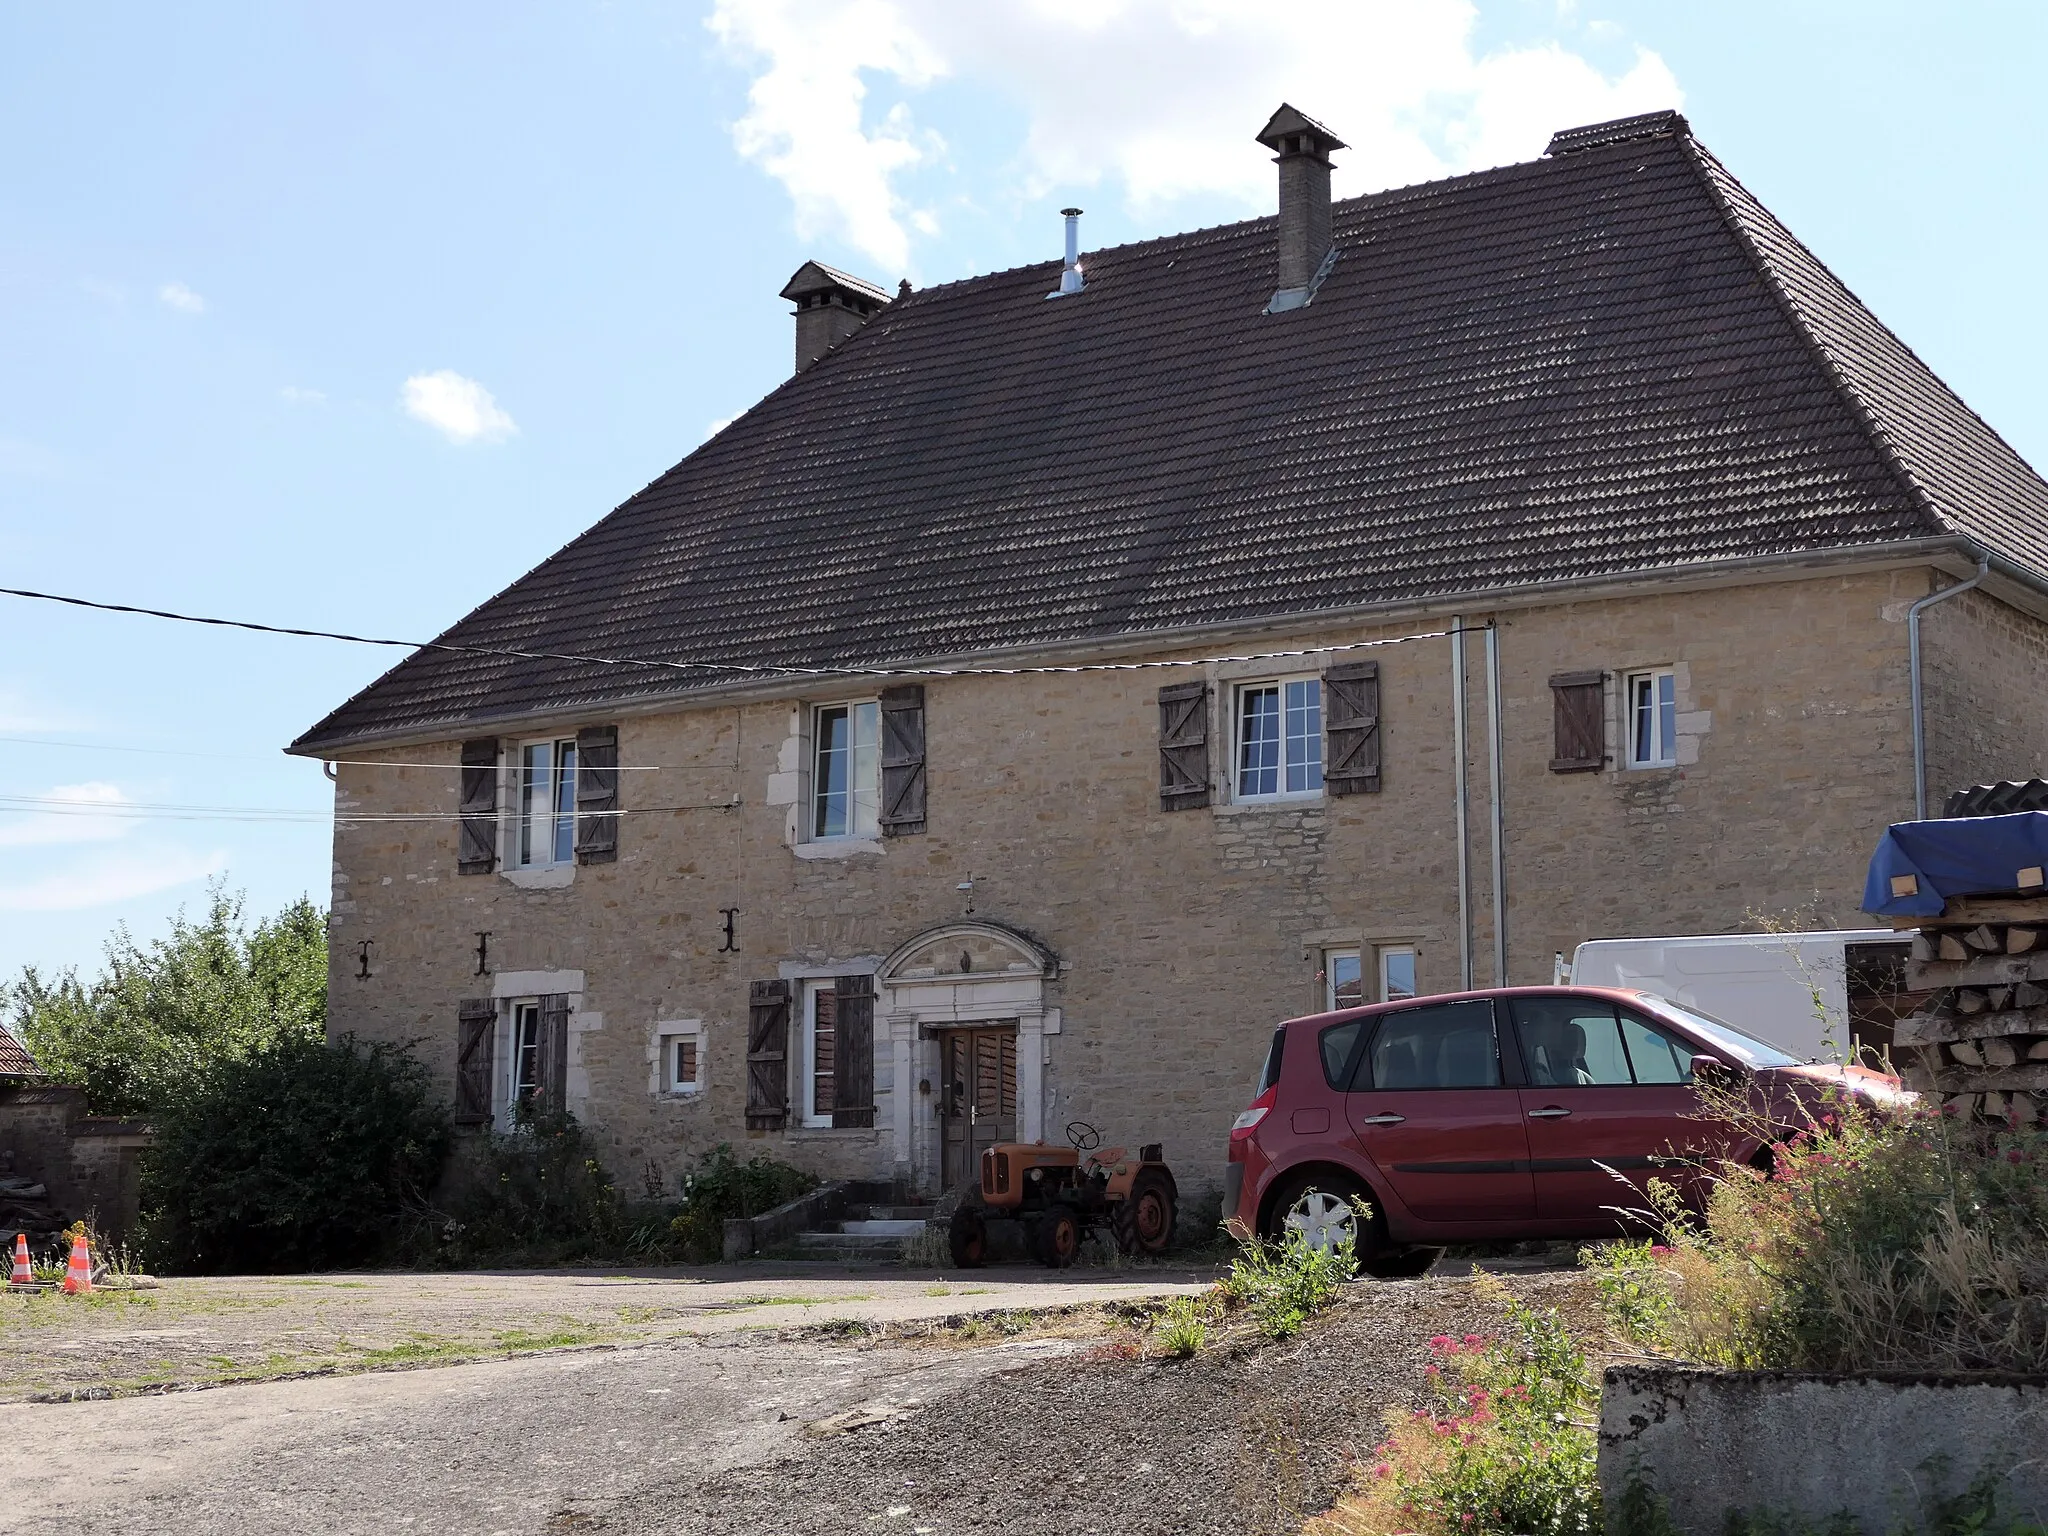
{"x":1551,"y":1113}
{"x":1387,"y":1119}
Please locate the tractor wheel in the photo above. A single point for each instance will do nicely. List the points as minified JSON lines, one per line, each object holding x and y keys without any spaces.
{"x":1144,"y":1220}
{"x":967,"y":1237}
{"x":1058,"y":1237}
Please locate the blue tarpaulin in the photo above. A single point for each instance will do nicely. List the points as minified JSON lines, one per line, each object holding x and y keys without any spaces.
{"x":1920,"y":866}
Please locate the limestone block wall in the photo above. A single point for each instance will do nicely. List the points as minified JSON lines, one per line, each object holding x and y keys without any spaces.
{"x":1181,"y":937}
{"x":1982,"y":669}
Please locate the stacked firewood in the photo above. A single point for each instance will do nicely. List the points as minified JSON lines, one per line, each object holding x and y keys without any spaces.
{"x":1980,"y":1040}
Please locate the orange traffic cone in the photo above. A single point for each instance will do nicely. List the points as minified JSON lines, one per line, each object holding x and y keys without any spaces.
{"x":78,"y":1273}
{"x":22,"y":1275}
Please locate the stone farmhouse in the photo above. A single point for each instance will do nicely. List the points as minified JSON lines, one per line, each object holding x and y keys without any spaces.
{"x":1069,"y":672}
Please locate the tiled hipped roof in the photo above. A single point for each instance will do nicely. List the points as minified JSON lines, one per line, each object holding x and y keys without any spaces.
{"x":1608,"y":361}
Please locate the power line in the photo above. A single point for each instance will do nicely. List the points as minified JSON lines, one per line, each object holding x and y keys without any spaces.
{"x":754,"y":669}
{"x":344,"y":762}
{"x":135,"y":810}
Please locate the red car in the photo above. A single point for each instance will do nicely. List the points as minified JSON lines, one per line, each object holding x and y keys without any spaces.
{"x":1491,"y":1116}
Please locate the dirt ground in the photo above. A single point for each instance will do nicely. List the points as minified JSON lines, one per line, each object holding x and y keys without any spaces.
{"x":215,"y":1332}
{"x":1009,"y":1421}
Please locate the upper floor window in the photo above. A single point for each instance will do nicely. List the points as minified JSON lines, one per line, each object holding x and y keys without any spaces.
{"x":546,"y":831}
{"x":1652,"y":718}
{"x":846,"y":770}
{"x":1280,"y":739}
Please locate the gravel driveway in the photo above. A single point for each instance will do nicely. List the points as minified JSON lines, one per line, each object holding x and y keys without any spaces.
{"x":717,"y":1434}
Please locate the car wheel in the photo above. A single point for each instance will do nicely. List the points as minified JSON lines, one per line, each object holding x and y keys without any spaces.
{"x":1059,"y":1238}
{"x":1324,"y":1210}
{"x":967,"y":1238}
{"x":1144,"y":1220}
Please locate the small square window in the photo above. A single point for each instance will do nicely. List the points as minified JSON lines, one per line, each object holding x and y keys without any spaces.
{"x":1343,"y":979}
{"x":1280,"y":739}
{"x":846,"y":770}
{"x":1397,"y":974}
{"x":1652,"y":719}
{"x":680,"y":1057}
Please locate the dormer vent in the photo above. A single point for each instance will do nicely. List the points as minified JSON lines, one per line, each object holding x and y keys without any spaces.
{"x":1071,"y":280}
{"x":1301,"y":148}
{"x":830,"y":306}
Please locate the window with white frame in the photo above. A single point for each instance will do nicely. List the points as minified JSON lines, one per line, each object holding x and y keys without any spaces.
{"x":523,"y":1083}
{"x":544,"y":819}
{"x":1397,"y":974}
{"x":846,"y":770}
{"x":682,"y":1057}
{"x":1279,"y":738}
{"x":1343,"y":978}
{"x":820,"y":1059}
{"x":1652,"y":718}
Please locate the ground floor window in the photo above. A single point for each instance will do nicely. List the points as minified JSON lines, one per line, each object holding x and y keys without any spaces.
{"x":525,"y":1053}
{"x":1343,"y":978}
{"x":679,"y":1050}
{"x":1397,"y":974}
{"x":820,"y":1056}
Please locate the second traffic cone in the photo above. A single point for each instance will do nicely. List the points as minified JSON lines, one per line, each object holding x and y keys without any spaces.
{"x":22,"y":1275}
{"x":78,"y":1273}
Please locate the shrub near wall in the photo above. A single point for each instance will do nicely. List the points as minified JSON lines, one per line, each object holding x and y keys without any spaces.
{"x":299,"y":1155}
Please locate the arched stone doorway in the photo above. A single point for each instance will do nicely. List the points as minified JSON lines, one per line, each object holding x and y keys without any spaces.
{"x":965,"y":1009}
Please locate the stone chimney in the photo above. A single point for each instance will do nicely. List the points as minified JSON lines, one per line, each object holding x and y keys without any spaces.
{"x":1301,"y":147}
{"x":830,"y":306}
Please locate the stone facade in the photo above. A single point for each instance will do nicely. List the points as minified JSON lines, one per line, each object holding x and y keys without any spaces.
{"x":1146,"y":955}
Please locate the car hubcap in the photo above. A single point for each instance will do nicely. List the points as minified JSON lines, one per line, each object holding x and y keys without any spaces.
{"x":1322,"y":1221}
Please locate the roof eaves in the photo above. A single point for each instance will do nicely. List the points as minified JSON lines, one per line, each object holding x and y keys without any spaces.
{"x":1880,"y":435}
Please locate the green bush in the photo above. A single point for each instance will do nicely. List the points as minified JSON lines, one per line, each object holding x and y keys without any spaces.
{"x":1183,"y":1330}
{"x":531,"y":1195}
{"x":1881,"y":1239}
{"x":1284,"y":1284}
{"x":157,"y":1016}
{"x":720,"y":1188}
{"x":297,"y":1155}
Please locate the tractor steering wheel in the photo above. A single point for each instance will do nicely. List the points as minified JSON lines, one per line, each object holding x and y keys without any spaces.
{"x":1083,"y":1135}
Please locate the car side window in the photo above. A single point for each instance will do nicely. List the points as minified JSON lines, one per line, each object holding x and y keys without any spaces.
{"x":1570,"y":1042}
{"x":1442,"y":1045}
{"x":1340,"y":1045}
{"x":1659,"y":1057}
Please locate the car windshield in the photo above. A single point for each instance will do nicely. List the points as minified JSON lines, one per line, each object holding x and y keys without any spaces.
{"x":1745,"y":1048}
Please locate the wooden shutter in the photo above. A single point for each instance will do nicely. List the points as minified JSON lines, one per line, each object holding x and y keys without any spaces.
{"x":554,"y":1054}
{"x":902,"y":760}
{"x":1184,"y":747}
{"x":1351,"y":728}
{"x":475,"y":1042}
{"x":597,"y":794}
{"x":1579,"y":713}
{"x":478,"y":850}
{"x":853,"y":1064}
{"x":767,"y":1055}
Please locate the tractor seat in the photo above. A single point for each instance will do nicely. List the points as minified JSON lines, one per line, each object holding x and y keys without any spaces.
{"x":1106,"y":1157}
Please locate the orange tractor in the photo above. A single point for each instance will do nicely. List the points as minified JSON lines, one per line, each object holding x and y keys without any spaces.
{"x":1061,"y":1194}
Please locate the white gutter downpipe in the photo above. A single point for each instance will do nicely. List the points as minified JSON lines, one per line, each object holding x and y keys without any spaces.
{"x":1500,"y":847}
{"x":1071,"y":280}
{"x":1913,"y":666}
{"x":1464,"y":832}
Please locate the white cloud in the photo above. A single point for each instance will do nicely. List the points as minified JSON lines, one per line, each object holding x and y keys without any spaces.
{"x":718,"y":426}
{"x":179,"y":297}
{"x":1160,"y":97}
{"x":460,"y":409}
{"x":72,"y":821}
{"x":291,"y":394}
{"x":99,"y":880}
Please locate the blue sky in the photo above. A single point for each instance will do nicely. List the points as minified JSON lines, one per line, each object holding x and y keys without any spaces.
{"x":345,"y":316}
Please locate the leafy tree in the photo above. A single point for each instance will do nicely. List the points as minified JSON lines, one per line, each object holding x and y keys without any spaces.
{"x":158,"y":1016}
{"x":297,"y":1154}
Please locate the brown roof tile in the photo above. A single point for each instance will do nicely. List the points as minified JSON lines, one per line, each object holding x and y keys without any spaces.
{"x":1612,"y":360}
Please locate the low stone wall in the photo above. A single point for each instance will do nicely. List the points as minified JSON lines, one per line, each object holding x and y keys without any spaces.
{"x":1810,"y":1448}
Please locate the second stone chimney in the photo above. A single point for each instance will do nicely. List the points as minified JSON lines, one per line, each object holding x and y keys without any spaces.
{"x":1301,"y":147}
{"x":830,"y":306}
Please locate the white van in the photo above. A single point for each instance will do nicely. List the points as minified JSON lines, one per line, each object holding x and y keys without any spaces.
{"x":1819,"y":996}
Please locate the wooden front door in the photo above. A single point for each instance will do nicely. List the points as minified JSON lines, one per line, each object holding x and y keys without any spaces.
{"x":978,"y":1096}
